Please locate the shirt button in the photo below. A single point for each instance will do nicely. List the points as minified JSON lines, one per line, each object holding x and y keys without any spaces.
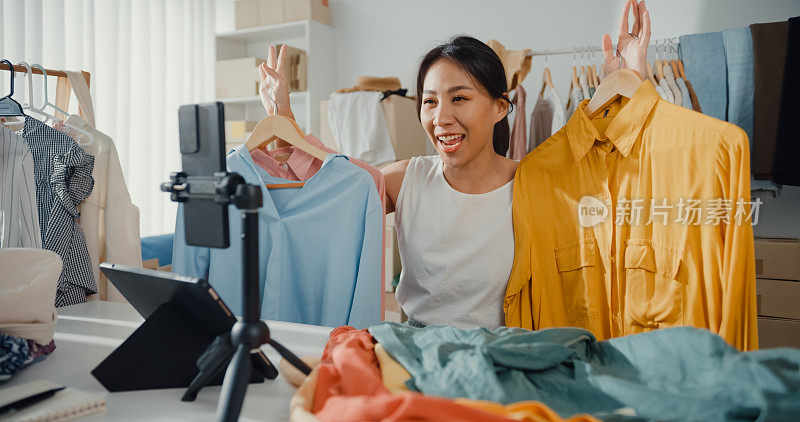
{"x":613,"y":260}
{"x":615,"y":319}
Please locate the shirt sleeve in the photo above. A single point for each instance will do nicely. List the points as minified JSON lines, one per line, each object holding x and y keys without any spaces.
{"x":739,"y":313}
{"x":517,"y":305}
{"x":366,"y":307}
{"x":191,"y":261}
{"x":29,"y":230}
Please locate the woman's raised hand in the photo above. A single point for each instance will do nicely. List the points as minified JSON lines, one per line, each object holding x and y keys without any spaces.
{"x":273,"y":88}
{"x":632,"y":45}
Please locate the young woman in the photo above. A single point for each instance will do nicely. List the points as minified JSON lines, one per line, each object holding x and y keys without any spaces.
{"x":453,"y":209}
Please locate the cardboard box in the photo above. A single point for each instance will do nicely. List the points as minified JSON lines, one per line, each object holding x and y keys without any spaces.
{"x":246,"y":13}
{"x":778,"y":298}
{"x":252,"y":13}
{"x":236,"y":129}
{"x":296,"y":68}
{"x":777,"y":332}
{"x":318,"y":10}
{"x":408,"y":137}
{"x":238,"y":77}
{"x":777,"y":258}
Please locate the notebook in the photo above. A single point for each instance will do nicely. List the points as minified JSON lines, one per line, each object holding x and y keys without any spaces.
{"x":65,"y":405}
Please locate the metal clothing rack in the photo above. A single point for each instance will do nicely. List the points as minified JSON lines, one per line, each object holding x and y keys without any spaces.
{"x":63,"y":88}
{"x":666,"y":42}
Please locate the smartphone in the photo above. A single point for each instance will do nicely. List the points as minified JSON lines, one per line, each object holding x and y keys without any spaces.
{"x":202,"y":146}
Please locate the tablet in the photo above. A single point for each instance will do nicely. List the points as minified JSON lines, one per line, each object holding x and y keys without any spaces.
{"x":183,"y":315}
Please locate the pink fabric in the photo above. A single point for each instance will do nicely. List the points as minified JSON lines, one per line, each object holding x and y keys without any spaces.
{"x":518,"y":146}
{"x":300,"y":166}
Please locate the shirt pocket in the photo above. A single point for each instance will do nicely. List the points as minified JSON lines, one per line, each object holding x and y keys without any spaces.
{"x":580,"y":279}
{"x":653,"y":296}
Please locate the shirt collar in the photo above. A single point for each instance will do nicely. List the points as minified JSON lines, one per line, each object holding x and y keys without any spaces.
{"x":299,"y":166}
{"x":623,"y":130}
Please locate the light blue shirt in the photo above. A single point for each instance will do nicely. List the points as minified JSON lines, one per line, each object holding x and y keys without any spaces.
{"x":319,"y":247}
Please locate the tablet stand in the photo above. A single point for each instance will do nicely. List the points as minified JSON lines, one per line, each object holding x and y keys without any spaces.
{"x":250,"y":332}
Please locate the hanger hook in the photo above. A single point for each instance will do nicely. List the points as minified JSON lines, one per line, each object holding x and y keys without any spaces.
{"x":546,"y":52}
{"x":11,"y":68}
{"x":574,"y":53}
{"x":30,"y":84}
{"x":44,"y":74}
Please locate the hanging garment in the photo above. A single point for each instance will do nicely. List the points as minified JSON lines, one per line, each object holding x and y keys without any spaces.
{"x":547,"y":117}
{"x":301,"y":165}
{"x":518,"y":146}
{"x":667,"y":92}
{"x":686,"y":100}
{"x":319,"y":247}
{"x":676,"y":374}
{"x":27,"y":293}
{"x":63,"y":173}
{"x":584,"y":83}
{"x":703,"y":57}
{"x":359,"y":127}
{"x":576,"y":96}
{"x":769,"y":61}
{"x":109,"y":220}
{"x":739,"y":62}
{"x":785,"y":169}
{"x":517,"y":63}
{"x":438,"y":226}
{"x":642,"y":183}
{"x":693,"y":96}
{"x":661,"y":93}
{"x":673,"y":87}
{"x":19,"y":215}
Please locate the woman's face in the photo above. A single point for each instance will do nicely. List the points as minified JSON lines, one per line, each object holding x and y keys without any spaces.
{"x":458,"y":114}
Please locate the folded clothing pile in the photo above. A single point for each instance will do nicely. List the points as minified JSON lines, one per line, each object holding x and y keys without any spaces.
{"x":397,"y":372}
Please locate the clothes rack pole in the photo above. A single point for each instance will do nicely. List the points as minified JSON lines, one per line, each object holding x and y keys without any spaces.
{"x":50,"y":72}
{"x":592,"y":48}
{"x":63,"y":88}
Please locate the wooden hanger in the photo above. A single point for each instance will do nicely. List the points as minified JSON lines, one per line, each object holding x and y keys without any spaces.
{"x":590,"y":76}
{"x":680,"y":67}
{"x":276,"y":127}
{"x":623,"y":82}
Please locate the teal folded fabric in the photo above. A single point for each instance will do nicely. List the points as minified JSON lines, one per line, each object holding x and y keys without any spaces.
{"x":672,"y":374}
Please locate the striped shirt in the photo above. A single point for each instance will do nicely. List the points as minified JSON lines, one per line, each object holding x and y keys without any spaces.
{"x":19,"y":218}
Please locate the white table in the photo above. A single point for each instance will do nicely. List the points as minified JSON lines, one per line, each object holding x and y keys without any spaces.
{"x":87,"y":333}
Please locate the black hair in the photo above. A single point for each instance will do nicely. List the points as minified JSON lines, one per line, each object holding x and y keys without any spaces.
{"x":485,"y":67}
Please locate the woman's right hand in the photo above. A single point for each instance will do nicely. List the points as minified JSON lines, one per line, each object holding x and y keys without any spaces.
{"x":273,"y":88}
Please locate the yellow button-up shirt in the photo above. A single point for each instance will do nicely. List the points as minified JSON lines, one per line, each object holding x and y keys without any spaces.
{"x":637,"y":219}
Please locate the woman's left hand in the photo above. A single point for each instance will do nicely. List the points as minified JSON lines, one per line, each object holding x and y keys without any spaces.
{"x":631,"y":50}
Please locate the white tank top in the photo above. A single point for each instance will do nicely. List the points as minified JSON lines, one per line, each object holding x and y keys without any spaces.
{"x":456,"y":249}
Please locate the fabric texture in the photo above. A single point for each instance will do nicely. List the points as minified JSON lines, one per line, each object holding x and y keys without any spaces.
{"x":19,"y":215}
{"x":693,"y":96}
{"x":13,"y":355}
{"x":669,"y":241}
{"x":319,"y":247}
{"x":63,"y":173}
{"x":575,"y":98}
{"x":438,"y":226}
{"x":518,"y":145}
{"x":677,"y":374}
{"x":769,"y":63}
{"x":785,"y":169}
{"x":301,"y":165}
{"x":686,"y":100}
{"x":703,"y":57}
{"x":661,"y":92}
{"x":108,"y":218}
{"x":27,"y":293}
{"x":667,"y":92}
{"x":584,"y":83}
{"x":669,"y":75}
{"x":347,"y":386}
{"x":358,"y":125}
{"x":547,"y":117}
{"x":516,"y":63}
{"x":739,"y":62}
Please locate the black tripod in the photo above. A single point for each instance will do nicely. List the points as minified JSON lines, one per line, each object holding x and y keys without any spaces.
{"x":250,"y":332}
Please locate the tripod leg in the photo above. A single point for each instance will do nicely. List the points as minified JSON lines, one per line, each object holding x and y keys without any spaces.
{"x":291,"y":357}
{"x":235,"y":385}
{"x":210,"y":363}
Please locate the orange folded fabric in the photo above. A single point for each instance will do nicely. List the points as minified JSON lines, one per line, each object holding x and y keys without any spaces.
{"x":349,"y":387}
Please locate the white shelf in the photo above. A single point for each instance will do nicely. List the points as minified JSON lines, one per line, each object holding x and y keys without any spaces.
{"x":277,"y":32}
{"x":295,"y":97}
